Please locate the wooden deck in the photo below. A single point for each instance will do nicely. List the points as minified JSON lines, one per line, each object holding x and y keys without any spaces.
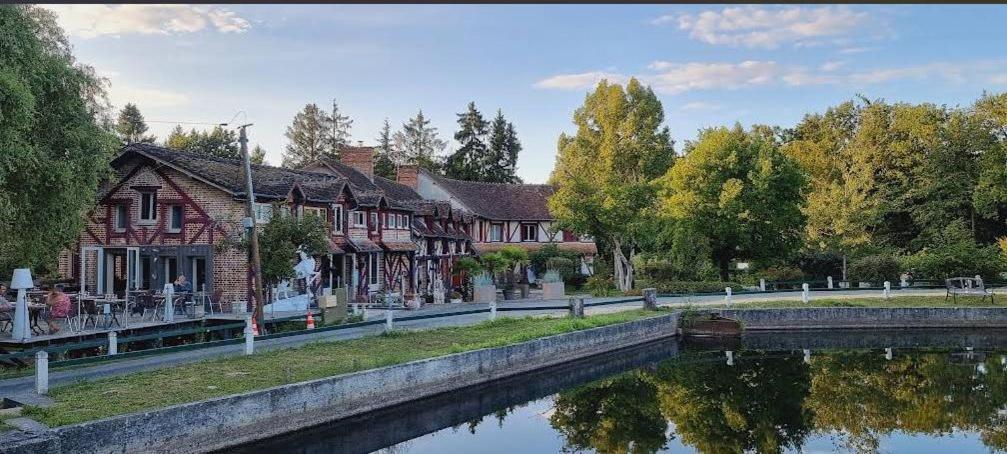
{"x":65,"y":335}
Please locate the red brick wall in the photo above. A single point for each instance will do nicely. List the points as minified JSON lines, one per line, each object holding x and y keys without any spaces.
{"x":407,"y":175}
{"x":360,"y":158}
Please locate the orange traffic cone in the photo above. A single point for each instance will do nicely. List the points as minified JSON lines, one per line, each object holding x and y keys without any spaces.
{"x":311,"y":320}
{"x":255,"y":327}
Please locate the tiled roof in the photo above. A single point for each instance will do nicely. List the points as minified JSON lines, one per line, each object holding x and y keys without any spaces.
{"x":228,"y":174}
{"x":355,"y":177}
{"x":500,"y":201}
{"x":581,"y":248}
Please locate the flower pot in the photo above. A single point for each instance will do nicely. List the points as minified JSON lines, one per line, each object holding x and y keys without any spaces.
{"x":456,"y":300}
{"x":508,"y":294}
{"x":484,"y":294}
{"x":525,"y":290}
{"x":553,"y":290}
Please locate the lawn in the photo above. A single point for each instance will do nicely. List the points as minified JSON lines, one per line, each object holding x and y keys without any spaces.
{"x":213,"y":378}
{"x":901,"y":301}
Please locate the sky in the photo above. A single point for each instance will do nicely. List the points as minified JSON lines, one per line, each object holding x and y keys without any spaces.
{"x":710,"y":65}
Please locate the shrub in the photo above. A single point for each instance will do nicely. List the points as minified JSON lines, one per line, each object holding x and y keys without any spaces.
{"x":955,"y":253}
{"x":780,"y":273}
{"x":600,"y":285}
{"x":540,"y":260}
{"x":875,"y":268}
{"x":818,"y":265}
{"x":576,"y":281}
{"x":693,"y":286}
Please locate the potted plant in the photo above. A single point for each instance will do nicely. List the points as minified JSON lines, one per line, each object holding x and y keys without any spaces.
{"x":515,"y":259}
{"x":552,"y":285}
{"x":493,"y":263}
{"x":468,"y":268}
{"x":456,"y":297}
{"x":483,"y":290}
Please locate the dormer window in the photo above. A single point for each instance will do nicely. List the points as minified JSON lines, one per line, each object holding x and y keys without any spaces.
{"x":358,"y":218}
{"x":121,"y":218}
{"x":374,"y":222}
{"x":337,"y":218}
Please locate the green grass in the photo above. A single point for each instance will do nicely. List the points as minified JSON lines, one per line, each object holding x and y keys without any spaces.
{"x":901,"y":301}
{"x":213,"y":378}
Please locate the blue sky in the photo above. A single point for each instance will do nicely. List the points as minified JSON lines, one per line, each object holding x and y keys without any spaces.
{"x":711,"y":65}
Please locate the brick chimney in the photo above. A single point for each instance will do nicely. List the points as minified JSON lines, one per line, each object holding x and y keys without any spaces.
{"x":408,"y":175}
{"x":360,"y":158}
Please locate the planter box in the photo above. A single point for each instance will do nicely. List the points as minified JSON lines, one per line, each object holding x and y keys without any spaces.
{"x":553,"y":290}
{"x":484,"y":294}
{"x":456,"y":300}
{"x":864,"y":284}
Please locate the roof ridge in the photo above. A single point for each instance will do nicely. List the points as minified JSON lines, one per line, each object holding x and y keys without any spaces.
{"x":142,"y":146}
{"x":497,"y":183}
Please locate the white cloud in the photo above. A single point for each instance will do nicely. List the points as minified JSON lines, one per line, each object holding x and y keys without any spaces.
{"x":700,"y":105}
{"x":579,"y":81}
{"x":952,"y":72}
{"x":856,"y":50}
{"x":762,"y":27}
{"x":674,"y":78}
{"x":144,"y":97}
{"x":999,"y":79}
{"x":830,"y":66}
{"x":89,"y":21}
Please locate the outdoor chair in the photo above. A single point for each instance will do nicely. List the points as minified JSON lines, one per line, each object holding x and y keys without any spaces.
{"x":217,"y":299}
{"x":6,"y":321}
{"x":967,"y":286}
{"x":148,"y":305}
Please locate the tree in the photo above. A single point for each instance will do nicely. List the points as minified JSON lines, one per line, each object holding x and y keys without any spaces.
{"x":55,"y":151}
{"x":281,"y":237}
{"x":418,"y":143}
{"x":604,"y":173}
{"x":219,"y":142}
{"x":258,"y":155}
{"x":309,"y":136}
{"x":130,"y":126}
{"x":338,"y":134}
{"x":739,"y":192}
{"x":501,"y":159}
{"x":468,"y":162}
{"x":384,"y":165}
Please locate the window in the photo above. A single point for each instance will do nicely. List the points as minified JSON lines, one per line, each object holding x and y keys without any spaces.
{"x":148,"y":206}
{"x":374,"y":222}
{"x":284,"y":211}
{"x":198,"y":273}
{"x":175,"y":218}
{"x":170,"y":269}
{"x":313,"y":211}
{"x":529,"y":232}
{"x":405,"y":221}
{"x":496,"y":232}
{"x":358,"y":218}
{"x":372,"y":268}
{"x":263,"y":212}
{"x":337,"y":218}
{"x":391,"y":221}
{"x":121,"y":218}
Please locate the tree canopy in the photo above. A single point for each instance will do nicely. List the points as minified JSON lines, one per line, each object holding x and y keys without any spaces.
{"x":55,"y":151}
{"x":219,"y":142}
{"x":310,"y":137}
{"x":468,"y":161}
{"x":417,"y":143}
{"x":130,"y":126}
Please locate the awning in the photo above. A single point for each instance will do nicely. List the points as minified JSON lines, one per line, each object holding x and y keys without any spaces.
{"x":398,"y":246}
{"x":362,"y":245}
{"x":334,"y":247}
{"x":578,"y":247}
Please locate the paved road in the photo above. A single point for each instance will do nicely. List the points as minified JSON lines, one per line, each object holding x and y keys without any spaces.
{"x":23,"y":387}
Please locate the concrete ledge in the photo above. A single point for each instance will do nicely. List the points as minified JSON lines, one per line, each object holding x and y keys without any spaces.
{"x":819,"y":318}
{"x":233,"y":420}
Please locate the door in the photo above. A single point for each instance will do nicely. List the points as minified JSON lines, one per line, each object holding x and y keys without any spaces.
{"x":133,"y":275}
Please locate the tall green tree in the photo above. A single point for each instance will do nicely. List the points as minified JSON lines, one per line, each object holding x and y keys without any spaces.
{"x":258,"y":155}
{"x":309,"y":137}
{"x":338,"y":133}
{"x":500,"y":163}
{"x":130,"y":126}
{"x":219,"y":142}
{"x":384,"y":165}
{"x":281,"y":236}
{"x":468,"y":162}
{"x":418,"y":143}
{"x":739,"y":192}
{"x":604,"y":174}
{"x":55,"y":151}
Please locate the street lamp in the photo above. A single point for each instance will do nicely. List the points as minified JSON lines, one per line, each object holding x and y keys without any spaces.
{"x":22,"y":282}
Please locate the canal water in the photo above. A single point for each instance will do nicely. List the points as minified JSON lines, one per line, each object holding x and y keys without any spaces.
{"x":914,"y":392}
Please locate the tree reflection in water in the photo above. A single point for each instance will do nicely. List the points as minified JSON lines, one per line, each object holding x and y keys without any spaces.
{"x":773,"y":402}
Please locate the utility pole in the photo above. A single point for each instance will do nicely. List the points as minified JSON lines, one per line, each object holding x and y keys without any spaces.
{"x":250,"y":222}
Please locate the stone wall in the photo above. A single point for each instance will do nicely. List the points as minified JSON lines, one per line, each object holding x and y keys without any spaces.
{"x":863,"y":317}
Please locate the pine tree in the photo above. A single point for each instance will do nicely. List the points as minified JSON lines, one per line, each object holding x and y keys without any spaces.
{"x":130,"y":126}
{"x":513,"y":148}
{"x":500,"y":162}
{"x":338,"y":133}
{"x":418,"y":143}
{"x":467,"y":162}
{"x":309,"y":136}
{"x":384,"y":165}
{"x":218,"y":142}
{"x":177,"y":139}
{"x":258,"y":155}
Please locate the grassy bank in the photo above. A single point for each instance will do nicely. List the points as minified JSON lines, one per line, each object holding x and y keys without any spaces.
{"x":901,"y":301}
{"x":221,"y":377}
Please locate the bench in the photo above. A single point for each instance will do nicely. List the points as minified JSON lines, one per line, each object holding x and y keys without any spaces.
{"x":967,"y":286}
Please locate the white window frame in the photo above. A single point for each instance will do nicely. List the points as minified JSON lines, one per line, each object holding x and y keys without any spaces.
{"x":263,"y":212}
{"x":150,"y":197}
{"x":406,"y":221}
{"x":337,"y":218}
{"x":494,"y":226}
{"x":534,"y":230}
{"x":171,"y":218}
{"x":373,"y":270}
{"x":120,"y":215}
{"x":374,"y":221}
{"x":313,"y":211}
{"x":359,"y":218}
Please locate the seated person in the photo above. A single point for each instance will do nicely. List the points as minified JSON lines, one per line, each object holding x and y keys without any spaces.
{"x":182,"y":285}
{"x":5,"y":305}
{"x":59,"y":306}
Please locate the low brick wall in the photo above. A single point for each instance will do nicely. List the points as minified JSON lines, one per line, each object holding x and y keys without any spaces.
{"x":863,"y":317}
{"x":232,"y":420}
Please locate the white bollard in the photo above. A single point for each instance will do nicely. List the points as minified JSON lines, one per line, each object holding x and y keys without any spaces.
{"x":762,"y":285}
{"x":807,"y":356}
{"x":805,"y":293}
{"x":42,"y":372}
{"x":888,"y":353}
{"x":113,"y":343}
{"x":888,"y":289}
{"x":829,"y":280}
{"x":727,"y":295}
{"x":493,"y":310}
{"x":730,"y":358}
{"x":249,"y":338}
{"x":388,"y":320}
{"x":169,"y":302}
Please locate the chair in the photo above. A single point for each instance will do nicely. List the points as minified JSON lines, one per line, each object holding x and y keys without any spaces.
{"x":967,"y":286}
{"x":148,"y":305}
{"x":217,"y":299}
{"x":6,"y":321}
